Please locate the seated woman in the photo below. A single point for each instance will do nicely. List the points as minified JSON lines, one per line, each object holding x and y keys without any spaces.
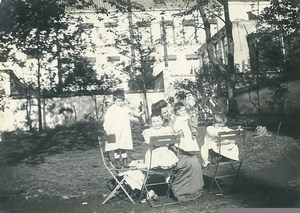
{"x":188,"y":179}
{"x":230,"y":151}
{"x":162,"y":156}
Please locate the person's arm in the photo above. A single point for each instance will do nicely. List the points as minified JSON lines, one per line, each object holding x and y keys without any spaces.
{"x":108,"y":123}
{"x":146,"y":136}
{"x":212,"y":131}
{"x":168,"y":130}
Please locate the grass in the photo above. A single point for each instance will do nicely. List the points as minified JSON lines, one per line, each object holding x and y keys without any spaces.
{"x":60,"y":169}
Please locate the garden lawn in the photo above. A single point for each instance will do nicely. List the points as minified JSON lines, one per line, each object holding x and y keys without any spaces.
{"x":60,"y":171}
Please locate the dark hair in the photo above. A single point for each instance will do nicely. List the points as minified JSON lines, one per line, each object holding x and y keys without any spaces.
{"x":220,"y":118}
{"x":156,"y":114}
{"x":118,"y":94}
{"x":156,"y":107}
{"x":171,"y":100}
{"x":177,"y":106}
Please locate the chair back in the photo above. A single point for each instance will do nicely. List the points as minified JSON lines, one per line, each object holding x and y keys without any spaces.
{"x":105,"y":160}
{"x":234,"y":137}
{"x":164,"y":140}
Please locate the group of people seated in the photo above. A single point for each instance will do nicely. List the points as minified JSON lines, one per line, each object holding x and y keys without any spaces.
{"x":178,"y":117}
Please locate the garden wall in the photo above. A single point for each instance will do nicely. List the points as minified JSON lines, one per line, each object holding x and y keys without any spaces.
{"x":62,"y":111}
{"x":291,"y":103}
{"x":56,"y":111}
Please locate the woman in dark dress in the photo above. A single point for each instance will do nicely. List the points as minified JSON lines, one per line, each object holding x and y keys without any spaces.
{"x":188,"y":177}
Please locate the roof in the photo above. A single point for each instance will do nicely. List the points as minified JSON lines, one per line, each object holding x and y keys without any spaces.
{"x":161,"y":4}
{"x":147,"y":4}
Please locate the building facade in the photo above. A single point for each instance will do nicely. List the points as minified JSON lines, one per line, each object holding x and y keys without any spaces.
{"x":176,"y":39}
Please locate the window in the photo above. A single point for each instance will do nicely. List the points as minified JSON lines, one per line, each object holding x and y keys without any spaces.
{"x":172,"y":57}
{"x":86,"y":25}
{"x":113,"y":58}
{"x":189,"y":23}
{"x":189,"y":30}
{"x":159,"y":2}
{"x":146,"y":31}
{"x":91,"y":60}
{"x":110,"y":24}
{"x":170,"y":33}
{"x":192,"y":56}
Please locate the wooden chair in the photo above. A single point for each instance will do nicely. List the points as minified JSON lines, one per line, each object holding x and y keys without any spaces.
{"x":120,"y":183}
{"x":150,"y":181}
{"x":225,"y":170}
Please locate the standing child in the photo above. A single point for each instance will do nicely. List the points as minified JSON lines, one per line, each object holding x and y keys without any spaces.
{"x":193,"y":117}
{"x":162,"y":156}
{"x":188,"y":142}
{"x":211,"y":141}
{"x":117,"y":123}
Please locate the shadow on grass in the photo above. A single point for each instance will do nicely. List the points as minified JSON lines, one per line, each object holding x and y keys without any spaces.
{"x":33,"y":148}
{"x":265,"y":195}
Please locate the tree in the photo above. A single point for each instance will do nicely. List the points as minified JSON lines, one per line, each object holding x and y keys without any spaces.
{"x":207,"y":84}
{"x":141,"y":72}
{"x":282,"y":16}
{"x":2,"y":96}
{"x":226,"y":70}
{"x":211,"y":9}
{"x":83,"y":79}
{"x":41,"y":29}
{"x":140,"y":68}
{"x":281,"y":21}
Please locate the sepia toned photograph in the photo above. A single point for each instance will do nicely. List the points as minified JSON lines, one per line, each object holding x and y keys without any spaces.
{"x":129,"y":106}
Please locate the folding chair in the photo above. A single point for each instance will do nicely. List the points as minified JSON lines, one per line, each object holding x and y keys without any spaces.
{"x":224,"y":170}
{"x":150,"y":181}
{"x":113,"y":171}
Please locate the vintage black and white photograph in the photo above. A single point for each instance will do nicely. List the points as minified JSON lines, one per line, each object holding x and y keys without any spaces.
{"x":123,"y":106}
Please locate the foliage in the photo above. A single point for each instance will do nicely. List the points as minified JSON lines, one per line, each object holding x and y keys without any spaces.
{"x":281,"y":23}
{"x":218,"y":9}
{"x":206,"y":85}
{"x":2,"y":96}
{"x":278,"y":94}
{"x":282,"y":16}
{"x":139,"y":68}
{"x":47,"y":34}
{"x":84,"y":78}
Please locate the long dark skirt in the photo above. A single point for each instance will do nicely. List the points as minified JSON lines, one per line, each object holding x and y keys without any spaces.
{"x":188,"y":182}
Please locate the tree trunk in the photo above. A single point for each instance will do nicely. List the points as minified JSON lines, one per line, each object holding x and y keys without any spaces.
{"x":59,"y":65}
{"x":147,"y":117}
{"x":39,"y":96}
{"x":227,"y":72}
{"x":231,"y":92}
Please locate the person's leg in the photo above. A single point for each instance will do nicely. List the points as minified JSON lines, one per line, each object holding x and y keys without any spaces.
{"x":124,"y":158}
{"x":167,"y":174}
{"x":117,"y":155}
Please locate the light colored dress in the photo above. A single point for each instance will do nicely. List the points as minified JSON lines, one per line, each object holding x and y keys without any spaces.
{"x":230,"y":151}
{"x":117,"y":121}
{"x":162,"y":157}
{"x":187,"y":142}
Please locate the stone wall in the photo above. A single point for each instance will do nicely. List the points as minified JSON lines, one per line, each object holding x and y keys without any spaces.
{"x":62,"y":111}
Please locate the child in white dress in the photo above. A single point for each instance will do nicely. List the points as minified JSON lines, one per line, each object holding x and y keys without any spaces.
{"x":230,"y":151}
{"x":117,"y":123}
{"x":181,"y":125}
{"x":162,"y":157}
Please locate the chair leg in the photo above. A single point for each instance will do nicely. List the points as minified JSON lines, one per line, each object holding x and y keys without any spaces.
{"x":119,"y":185}
{"x":215,"y":180}
{"x":235,"y":175}
{"x":113,"y":191}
